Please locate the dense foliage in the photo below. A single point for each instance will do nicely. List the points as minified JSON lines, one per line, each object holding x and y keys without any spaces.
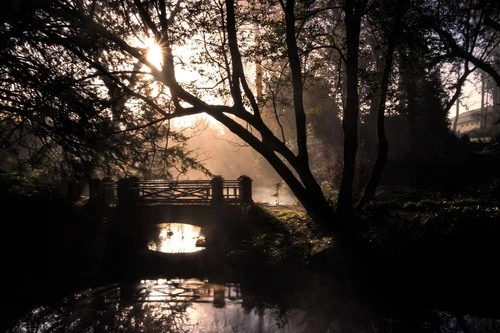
{"x":68,"y":121}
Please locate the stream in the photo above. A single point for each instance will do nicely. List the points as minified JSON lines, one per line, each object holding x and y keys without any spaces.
{"x":177,"y":283}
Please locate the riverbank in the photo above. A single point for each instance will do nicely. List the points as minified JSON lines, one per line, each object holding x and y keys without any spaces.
{"x":414,"y":249}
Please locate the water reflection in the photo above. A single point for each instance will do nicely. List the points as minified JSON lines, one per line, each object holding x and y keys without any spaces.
{"x":177,"y":238}
{"x":196,"y":306}
{"x":174,"y":305}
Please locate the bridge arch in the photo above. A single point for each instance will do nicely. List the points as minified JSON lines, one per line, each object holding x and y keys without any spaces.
{"x":136,"y":207}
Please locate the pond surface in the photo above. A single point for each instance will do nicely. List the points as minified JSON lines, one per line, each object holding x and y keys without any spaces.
{"x":161,"y":305}
{"x":221,"y":297}
{"x":198,"y":306}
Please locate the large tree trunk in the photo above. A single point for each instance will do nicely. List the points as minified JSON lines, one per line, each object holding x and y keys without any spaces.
{"x":383,"y":144}
{"x":295,"y":172}
{"x":243,"y":116}
{"x":368,"y":138}
{"x":353,"y":14}
{"x":457,"y":114}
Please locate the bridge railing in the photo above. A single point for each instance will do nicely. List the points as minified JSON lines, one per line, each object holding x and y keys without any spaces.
{"x":172,"y":191}
{"x":214,"y":191}
{"x":231,"y":191}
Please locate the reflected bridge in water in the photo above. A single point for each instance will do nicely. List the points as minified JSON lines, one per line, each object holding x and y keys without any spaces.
{"x":198,"y":306}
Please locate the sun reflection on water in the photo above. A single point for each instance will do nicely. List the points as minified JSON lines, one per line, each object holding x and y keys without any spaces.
{"x":177,"y":238}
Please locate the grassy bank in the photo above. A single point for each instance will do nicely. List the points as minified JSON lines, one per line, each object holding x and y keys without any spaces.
{"x":414,"y":247}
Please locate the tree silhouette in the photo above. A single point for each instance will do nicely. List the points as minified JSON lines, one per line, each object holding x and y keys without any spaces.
{"x":74,"y":121}
{"x":248,"y":66}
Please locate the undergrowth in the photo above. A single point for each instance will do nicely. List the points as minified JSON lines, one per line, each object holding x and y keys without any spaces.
{"x":418,"y":229}
{"x":284,"y":237}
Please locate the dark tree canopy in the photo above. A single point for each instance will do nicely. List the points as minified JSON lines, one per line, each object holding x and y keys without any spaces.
{"x":281,"y":75}
{"x":63,"y":113}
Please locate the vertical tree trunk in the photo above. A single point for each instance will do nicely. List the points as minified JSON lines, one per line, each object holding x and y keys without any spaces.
{"x":353,"y":13}
{"x":482,"y":121}
{"x":258,"y":66}
{"x":367,"y":135}
{"x":457,"y":114}
{"x":456,"y":96}
{"x":383,"y":144}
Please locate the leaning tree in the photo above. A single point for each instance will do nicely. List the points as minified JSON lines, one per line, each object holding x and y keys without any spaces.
{"x":248,"y":65}
{"x":211,"y":52}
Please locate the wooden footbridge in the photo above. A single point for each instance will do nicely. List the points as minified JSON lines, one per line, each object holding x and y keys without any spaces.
{"x":171,"y":192}
{"x":132,"y":207}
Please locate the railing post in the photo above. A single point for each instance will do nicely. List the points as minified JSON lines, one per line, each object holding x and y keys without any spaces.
{"x":95,"y":194}
{"x":245,"y":189}
{"x":128,"y":189}
{"x":134,"y":188}
{"x":122,"y":190}
{"x":107,"y":191}
{"x":219,"y":300}
{"x":217,"y":190}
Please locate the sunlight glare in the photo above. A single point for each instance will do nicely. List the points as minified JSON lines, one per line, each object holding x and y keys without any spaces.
{"x":177,"y":238}
{"x":197,"y":122}
{"x":185,"y":75}
{"x":155,"y":53}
